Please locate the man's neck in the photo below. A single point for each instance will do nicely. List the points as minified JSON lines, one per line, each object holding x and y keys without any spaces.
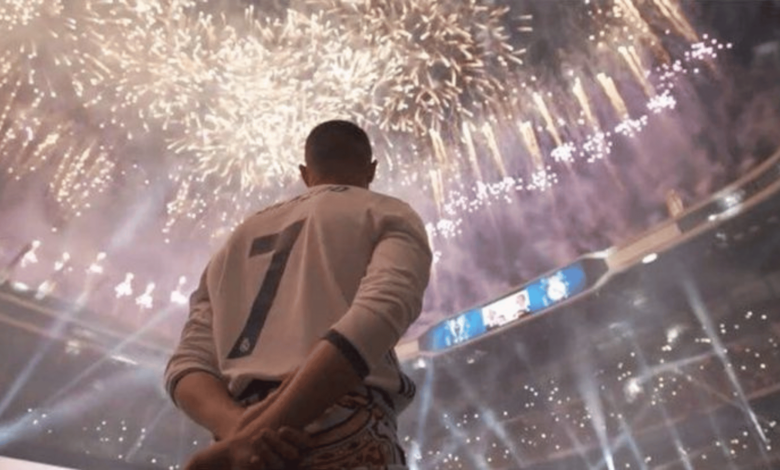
{"x":338,"y":183}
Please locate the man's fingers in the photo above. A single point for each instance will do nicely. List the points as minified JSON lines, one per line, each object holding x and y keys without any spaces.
{"x":195,"y":464}
{"x":282,"y":448}
{"x":242,"y":455}
{"x":214,"y":456}
{"x":251,"y":464}
{"x":263,"y":450}
{"x":299,"y":439}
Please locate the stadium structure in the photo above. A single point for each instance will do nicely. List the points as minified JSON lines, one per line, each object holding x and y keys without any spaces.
{"x":658,"y":354}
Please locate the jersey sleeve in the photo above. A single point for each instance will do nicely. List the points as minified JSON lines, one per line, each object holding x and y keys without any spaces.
{"x":390,"y":295}
{"x":196,"y":350}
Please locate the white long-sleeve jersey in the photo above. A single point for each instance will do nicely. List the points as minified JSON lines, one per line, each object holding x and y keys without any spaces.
{"x":338,"y":262}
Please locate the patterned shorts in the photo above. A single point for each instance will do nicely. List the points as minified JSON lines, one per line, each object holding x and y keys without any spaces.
{"x":358,"y":433}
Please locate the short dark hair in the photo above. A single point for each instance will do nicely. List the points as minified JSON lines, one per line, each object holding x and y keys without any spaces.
{"x":335,"y":146}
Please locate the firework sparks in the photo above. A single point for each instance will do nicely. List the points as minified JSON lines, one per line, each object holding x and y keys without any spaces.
{"x":16,"y":15}
{"x":210,"y":108}
{"x":226,"y":99}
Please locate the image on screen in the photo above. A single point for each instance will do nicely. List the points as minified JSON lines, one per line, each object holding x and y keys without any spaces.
{"x":455,"y":330}
{"x":507,"y":309}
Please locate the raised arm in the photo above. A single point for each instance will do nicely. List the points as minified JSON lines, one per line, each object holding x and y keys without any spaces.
{"x":192,"y":376}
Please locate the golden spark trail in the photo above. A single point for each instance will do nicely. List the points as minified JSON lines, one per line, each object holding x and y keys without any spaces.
{"x":437,"y":187}
{"x":487,"y":131}
{"x":613,"y":94}
{"x":633,"y":14}
{"x":471,"y":151}
{"x":584,"y":102}
{"x":529,"y":137}
{"x":681,"y":23}
{"x":634,"y":62}
{"x":545,"y":112}
{"x":439,"y":149}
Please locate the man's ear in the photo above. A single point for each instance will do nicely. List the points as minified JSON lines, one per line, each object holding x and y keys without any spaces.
{"x":372,"y":171}
{"x":304,"y":174}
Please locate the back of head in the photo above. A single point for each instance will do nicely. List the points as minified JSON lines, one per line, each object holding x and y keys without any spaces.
{"x":338,"y":151}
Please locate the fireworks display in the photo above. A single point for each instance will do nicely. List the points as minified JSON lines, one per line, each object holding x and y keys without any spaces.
{"x":191,"y":114}
{"x":135,"y":134}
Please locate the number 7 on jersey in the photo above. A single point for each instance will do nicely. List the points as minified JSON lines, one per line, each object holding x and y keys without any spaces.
{"x":281,"y":244}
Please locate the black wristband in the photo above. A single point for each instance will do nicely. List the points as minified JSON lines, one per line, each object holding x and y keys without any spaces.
{"x":349,"y":351}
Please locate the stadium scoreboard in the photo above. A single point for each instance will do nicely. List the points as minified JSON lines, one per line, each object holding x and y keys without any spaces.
{"x":530,"y":299}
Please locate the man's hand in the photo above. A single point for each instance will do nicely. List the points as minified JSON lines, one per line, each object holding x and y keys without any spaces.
{"x":277,"y":450}
{"x":213,"y":457}
{"x":253,"y":412}
{"x":246,"y":444}
{"x":267,"y":449}
{"x":325,"y":377}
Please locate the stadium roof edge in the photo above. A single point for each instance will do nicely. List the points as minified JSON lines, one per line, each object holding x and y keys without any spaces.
{"x":752,"y":188}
